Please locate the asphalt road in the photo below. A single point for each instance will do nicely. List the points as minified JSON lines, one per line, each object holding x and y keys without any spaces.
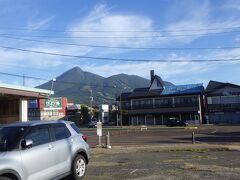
{"x":204,"y":134}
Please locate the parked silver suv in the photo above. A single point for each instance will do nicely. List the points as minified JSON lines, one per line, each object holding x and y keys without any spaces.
{"x":42,"y":150}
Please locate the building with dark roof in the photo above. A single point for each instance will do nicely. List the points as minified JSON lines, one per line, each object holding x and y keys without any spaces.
{"x":222,"y":103}
{"x":159,"y":102}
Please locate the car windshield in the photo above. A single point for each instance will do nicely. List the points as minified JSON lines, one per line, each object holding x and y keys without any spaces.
{"x":10,"y":136}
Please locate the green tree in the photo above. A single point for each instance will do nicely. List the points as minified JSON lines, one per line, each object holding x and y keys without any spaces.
{"x":96,"y":113}
{"x":85,"y":116}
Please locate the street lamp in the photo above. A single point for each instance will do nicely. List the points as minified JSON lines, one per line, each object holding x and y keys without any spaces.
{"x":53,"y":80}
{"x":120,"y":107}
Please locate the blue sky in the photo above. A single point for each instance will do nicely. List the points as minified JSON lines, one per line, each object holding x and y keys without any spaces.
{"x":168,"y":18}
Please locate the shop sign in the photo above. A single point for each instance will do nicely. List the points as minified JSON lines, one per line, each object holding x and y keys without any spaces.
{"x":52,"y":103}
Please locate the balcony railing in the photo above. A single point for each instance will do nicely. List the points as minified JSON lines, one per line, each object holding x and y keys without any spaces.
{"x":224,"y":106}
{"x":163,"y":105}
{"x":143,"y":106}
{"x":187,"y":105}
{"x":159,"y":103}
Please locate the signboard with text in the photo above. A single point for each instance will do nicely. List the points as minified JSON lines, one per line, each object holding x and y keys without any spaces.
{"x":99,"y":128}
{"x":53,"y":104}
{"x":32,"y":104}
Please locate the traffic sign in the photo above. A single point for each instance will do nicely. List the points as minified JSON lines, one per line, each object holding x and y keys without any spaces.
{"x":99,"y":128}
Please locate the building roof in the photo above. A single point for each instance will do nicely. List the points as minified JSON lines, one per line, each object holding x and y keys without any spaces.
{"x":221,"y":88}
{"x":160,"y":79}
{"x":160,"y":88}
{"x":9,"y":89}
{"x":167,"y":91}
{"x":146,"y":93}
{"x":183,"y":89}
{"x":213,"y":85}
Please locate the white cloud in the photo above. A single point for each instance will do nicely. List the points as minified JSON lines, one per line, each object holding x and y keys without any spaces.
{"x":237,"y":38}
{"x":27,"y":59}
{"x":166,"y":70}
{"x":102,"y":18}
{"x":201,"y":21}
{"x":232,"y":5}
{"x":39,"y":23}
{"x":227,"y":54}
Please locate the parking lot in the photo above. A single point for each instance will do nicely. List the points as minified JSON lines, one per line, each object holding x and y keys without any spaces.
{"x":210,"y":134}
{"x":166,"y":153}
{"x":157,"y":162}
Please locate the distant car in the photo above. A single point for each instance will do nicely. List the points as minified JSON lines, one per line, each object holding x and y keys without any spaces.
{"x":92,"y":124}
{"x":111,"y":123}
{"x":175,"y":122}
{"x":42,"y":150}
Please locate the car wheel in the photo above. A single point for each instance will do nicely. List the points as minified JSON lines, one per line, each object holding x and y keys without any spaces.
{"x":79,"y":167}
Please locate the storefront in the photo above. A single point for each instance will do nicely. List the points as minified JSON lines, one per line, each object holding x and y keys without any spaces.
{"x":48,"y":109}
{"x":14,"y":101}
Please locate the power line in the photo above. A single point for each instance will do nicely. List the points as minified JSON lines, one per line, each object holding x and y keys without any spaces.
{"x":120,"y":47}
{"x":121,"y":37}
{"x":23,"y":67}
{"x":57,"y":81}
{"x":121,"y":59}
{"x":17,"y":75}
{"x":104,"y":30}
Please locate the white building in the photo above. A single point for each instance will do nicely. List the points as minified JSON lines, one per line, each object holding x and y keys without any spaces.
{"x":105,"y":113}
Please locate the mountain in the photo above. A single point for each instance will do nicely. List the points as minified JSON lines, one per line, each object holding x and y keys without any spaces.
{"x":75,"y":84}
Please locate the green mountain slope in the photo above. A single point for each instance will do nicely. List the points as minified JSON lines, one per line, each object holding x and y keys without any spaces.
{"x":75,"y":84}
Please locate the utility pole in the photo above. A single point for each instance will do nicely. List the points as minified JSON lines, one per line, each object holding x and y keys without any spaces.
{"x":118,"y":112}
{"x":120,"y":107}
{"x":91,"y":103}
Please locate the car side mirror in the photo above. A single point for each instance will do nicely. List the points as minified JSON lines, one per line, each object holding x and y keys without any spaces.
{"x":26,"y":144}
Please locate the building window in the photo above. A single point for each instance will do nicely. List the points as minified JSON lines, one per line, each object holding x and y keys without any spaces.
{"x":215,"y":100}
{"x":142,"y":104}
{"x":229,"y":99}
{"x":9,"y":108}
{"x":164,"y":102}
{"x":186,"y":101}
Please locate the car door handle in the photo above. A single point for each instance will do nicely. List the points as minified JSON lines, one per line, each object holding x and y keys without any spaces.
{"x":50,"y":147}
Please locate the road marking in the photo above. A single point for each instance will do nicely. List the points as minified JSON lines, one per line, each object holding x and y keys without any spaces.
{"x":134,"y":170}
{"x":214,"y":131}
